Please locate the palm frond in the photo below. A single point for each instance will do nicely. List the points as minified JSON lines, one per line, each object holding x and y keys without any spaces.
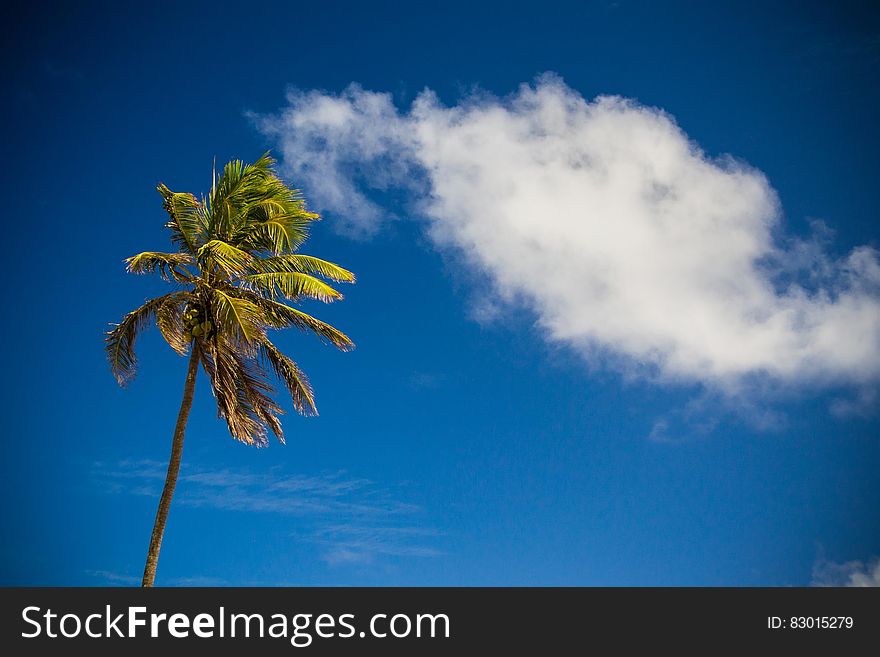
{"x":120,"y":340}
{"x":242,"y":391}
{"x":291,"y":285}
{"x":279,"y":315}
{"x":304,"y":264}
{"x":231,"y":261}
{"x":277,"y":232}
{"x":169,"y":319}
{"x":169,"y":265}
{"x":239,"y":186}
{"x":187,"y":220}
{"x":293,"y":377}
{"x":220,"y":366}
{"x":274,"y":219}
{"x":237,"y":316}
{"x":254,"y":398}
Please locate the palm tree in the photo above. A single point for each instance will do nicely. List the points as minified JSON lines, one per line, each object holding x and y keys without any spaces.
{"x":236,"y":262}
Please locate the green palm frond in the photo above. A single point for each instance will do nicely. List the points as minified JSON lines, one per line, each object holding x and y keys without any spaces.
{"x":187,"y":218}
{"x":279,"y":315}
{"x":228,"y":259}
{"x":220,"y":206}
{"x":241,"y":188}
{"x":237,"y":316}
{"x":171,"y":266}
{"x":303,"y":264}
{"x":271,"y":216}
{"x":278,"y":231}
{"x":291,"y":285}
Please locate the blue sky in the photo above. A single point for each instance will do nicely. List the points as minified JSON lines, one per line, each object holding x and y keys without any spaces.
{"x":481,"y":433}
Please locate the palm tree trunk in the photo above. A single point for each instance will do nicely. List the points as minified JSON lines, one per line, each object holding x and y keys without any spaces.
{"x":173,"y":468}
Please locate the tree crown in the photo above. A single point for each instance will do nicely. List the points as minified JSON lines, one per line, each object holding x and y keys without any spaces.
{"x":236,"y":266}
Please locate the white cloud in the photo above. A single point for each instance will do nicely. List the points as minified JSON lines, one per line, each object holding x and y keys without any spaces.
{"x":336,"y":144}
{"x":629,"y":243}
{"x":851,"y":573}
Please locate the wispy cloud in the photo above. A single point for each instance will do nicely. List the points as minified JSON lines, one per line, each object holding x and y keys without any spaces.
{"x":198,"y":580}
{"x":704,"y":413}
{"x":351,"y":516}
{"x":850,"y":573}
{"x":631,"y":245}
{"x":108,"y":577}
{"x":864,"y":403}
{"x":351,"y":544}
{"x":111,"y":578}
